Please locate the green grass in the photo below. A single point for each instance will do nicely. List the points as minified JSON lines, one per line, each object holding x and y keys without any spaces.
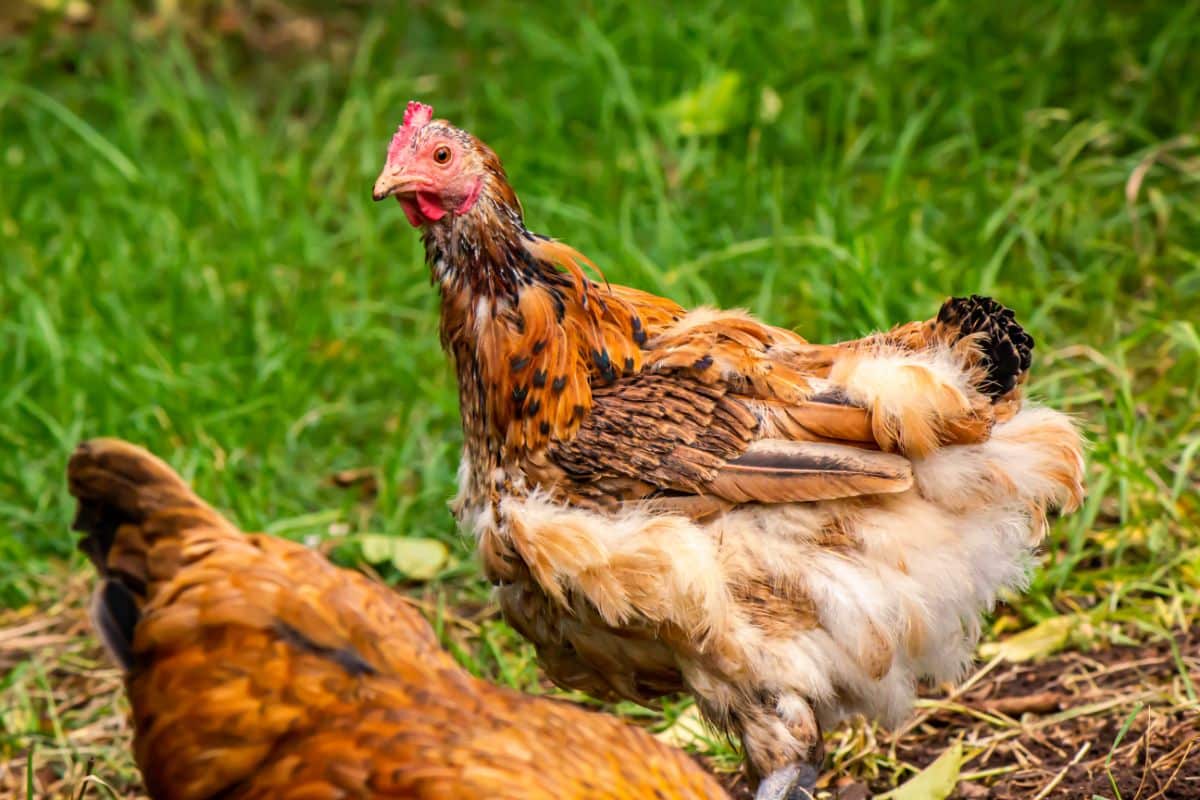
{"x":191,"y":259}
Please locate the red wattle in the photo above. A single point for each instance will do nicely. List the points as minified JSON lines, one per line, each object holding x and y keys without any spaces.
{"x":410,"y":210}
{"x":429,"y":206}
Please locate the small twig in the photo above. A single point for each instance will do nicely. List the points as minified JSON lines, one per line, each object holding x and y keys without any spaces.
{"x":1174,"y":774}
{"x":959,"y":708}
{"x":1062,"y":773}
{"x":1041,"y":739}
{"x":988,"y":773}
{"x":87,"y":770}
{"x":90,"y":779}
{"x":954,"y":694}
{"x":1133,"y":184}
{"x":1031,"y":703}
{"x":33,"y":626}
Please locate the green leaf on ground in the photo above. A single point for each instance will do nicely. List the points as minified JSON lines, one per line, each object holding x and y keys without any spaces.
{"x":1041,"y":640}
{"x":936,"y":781}
{"x":418,"y":558}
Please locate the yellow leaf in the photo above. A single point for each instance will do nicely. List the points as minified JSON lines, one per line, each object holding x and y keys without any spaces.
{"x":418,"y":558}
{"x":1125,"y":536}
{"x":709,"y":109}
{"x":688,"y":730}
{"x":769,"y":104}
{"x":1040,"y":640}
{"x":936,"y":781}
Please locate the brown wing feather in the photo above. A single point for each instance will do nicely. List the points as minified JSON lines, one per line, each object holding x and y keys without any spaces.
{"x":828,"y":416}
{"x":653,"y":433}
{"x":776,"y":471}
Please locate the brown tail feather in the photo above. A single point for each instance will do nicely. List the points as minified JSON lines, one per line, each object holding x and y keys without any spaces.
{"x":135,"y":513}
{"x":123,"y":489}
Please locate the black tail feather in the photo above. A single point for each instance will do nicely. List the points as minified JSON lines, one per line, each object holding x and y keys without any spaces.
{"x":1007,"y":348}
{"x":115,"y":615}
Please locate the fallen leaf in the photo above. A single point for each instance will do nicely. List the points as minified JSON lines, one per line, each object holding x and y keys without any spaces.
{"x":1040,"y":640}
{"x":418,"y":558}
{"x":769,"y":105}
{"x":688,"y":730}
{"x":936,"y":781}
{"x":711,"y":108}
{"x":1038,"y":703}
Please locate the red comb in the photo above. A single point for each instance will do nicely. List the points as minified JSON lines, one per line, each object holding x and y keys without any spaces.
{"x":416,"y":116}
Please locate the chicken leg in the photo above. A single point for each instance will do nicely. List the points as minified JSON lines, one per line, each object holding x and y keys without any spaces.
{"x":784,"y":746}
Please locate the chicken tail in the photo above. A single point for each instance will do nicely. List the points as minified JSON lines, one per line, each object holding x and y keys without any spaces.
{"x":135,"y":514}
{"x":1005,"y":348}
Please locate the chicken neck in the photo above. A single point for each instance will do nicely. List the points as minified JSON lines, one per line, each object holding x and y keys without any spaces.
{"x":528,"y":332}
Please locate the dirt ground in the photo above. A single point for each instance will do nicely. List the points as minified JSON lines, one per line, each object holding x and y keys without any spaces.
{"x":1120,"y":722}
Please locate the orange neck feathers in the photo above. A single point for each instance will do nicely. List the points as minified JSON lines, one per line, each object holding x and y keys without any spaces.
{"x":529,"y":331}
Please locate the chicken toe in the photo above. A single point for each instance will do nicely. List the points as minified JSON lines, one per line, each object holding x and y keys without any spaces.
{"x":796,"y":781}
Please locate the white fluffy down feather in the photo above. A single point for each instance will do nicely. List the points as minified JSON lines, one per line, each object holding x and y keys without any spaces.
{"x":896,"y":600}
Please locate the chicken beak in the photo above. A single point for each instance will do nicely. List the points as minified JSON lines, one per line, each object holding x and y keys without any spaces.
{"x":391,"y":182}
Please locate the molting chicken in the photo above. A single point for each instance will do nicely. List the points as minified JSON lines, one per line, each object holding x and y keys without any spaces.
{"x":675,"y":499}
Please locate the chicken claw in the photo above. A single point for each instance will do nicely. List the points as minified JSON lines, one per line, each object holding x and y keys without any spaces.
{"x":796,"y":781}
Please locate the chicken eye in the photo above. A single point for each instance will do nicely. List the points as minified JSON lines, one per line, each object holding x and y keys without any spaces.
{"x":442,"y":155}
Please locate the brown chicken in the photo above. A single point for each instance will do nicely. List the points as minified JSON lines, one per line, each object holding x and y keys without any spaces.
{"x":694,"y":500}
{"x":256,"y":669}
